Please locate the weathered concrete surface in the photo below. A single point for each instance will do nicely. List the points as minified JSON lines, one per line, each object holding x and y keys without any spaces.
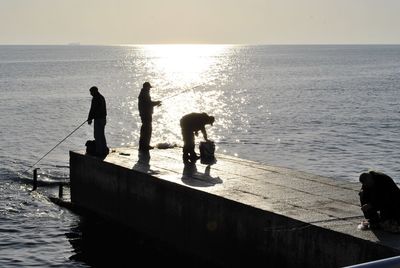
{"x":234,"y":212}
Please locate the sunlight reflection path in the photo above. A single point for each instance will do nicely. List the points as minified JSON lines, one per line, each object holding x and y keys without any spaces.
{"x":196,"y":76}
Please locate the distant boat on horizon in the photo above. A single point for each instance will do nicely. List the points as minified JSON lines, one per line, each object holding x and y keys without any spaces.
{"x":74,"y":44}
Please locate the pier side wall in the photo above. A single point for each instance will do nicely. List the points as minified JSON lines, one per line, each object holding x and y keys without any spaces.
{"x":227,"y":232}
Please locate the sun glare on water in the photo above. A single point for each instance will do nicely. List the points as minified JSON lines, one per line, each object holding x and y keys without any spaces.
{"x":184,"y":65}
{"x":186,"y":78}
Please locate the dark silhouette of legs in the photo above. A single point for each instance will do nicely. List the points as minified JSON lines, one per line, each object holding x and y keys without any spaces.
{"x":99,"y":136}
{"x":145,"y":135}
{"x":188,"y":145}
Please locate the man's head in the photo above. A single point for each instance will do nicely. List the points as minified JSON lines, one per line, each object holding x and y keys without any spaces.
{"x":146,"y":85}
{"x":211,"y":120}
{"x":93,"y":90}
{"x":368,"y":179}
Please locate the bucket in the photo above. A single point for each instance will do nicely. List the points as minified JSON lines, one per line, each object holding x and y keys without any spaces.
{"x":207,"y":150}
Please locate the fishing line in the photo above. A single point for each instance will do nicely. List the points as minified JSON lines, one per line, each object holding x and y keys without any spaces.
{"x":57,"y":145}
{"x":183,"y":91}
{"x":180,"y":92}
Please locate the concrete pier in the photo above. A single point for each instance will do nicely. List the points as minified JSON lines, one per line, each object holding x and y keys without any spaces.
{"x":234,"y":213}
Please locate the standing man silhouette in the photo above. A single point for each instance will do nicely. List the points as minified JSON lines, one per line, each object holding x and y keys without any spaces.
{"x":146,"y":107}
{"x":98,"y":113}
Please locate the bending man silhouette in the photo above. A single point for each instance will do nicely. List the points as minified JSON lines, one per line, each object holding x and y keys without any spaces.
{"x":191,"y":124}
{"x":98,"y":113}
{"x":379,"y":198}
{"x":146,"y":107}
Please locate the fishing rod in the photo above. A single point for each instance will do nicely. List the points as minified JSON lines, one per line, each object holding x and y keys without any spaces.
{"x":168,"y":97}
{"x":183,"y":91}
{"x":180,"y":92}
{"x":57,"y":145}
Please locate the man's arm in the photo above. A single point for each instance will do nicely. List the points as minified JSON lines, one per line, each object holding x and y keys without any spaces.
{"x":203,"y":130}
{"x":156,"y":103}
{"x":91,"y":112}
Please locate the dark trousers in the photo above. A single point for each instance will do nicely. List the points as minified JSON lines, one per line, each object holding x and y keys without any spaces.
{"x":188,"y":143}
{"x":370,"y":213}
{"x":379,"y":211}
{"x":99,"y":136}
{"x":145,"y":133}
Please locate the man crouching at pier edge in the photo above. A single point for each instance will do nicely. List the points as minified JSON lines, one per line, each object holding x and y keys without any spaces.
{"x":380,"y":202}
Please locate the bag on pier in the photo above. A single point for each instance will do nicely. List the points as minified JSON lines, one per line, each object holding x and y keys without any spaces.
{"x":207,"y":150}
{"x":91,"y":147}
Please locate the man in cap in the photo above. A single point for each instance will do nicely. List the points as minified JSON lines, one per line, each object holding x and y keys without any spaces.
{"x":146,"y":106}
{"x":98,"y":113}
{"x":190,"y":125}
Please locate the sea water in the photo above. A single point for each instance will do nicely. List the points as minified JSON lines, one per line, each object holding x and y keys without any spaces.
{"x":328,"y":110}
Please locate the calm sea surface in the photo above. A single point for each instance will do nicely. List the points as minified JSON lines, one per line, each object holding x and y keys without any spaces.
{"x":328,"y":110}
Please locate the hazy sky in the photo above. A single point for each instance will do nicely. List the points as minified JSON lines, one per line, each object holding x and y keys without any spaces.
{"x":199,"y":21}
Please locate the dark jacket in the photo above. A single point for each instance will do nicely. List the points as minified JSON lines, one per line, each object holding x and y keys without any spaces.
{"x":194,"y":122}
{"x":383,"y":195}
{"x":146,"y":106}
{"x":98,"y":107}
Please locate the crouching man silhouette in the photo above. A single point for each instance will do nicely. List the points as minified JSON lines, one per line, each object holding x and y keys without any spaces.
{"x":380,"y":201}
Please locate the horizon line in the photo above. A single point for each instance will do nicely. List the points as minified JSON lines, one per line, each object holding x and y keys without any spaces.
{"x":194,"y":44}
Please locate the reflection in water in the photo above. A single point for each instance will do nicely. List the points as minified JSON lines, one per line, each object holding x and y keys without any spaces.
{"x":187,"y":78}
{"x":192,"y":177}
{"x":183,"y":65}
{"x":101,"y":244}
{"x":98,"y":243}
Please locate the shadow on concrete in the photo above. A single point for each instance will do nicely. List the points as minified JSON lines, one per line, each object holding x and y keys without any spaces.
{"x":143,"y":163}
{"x":192,"y":177}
